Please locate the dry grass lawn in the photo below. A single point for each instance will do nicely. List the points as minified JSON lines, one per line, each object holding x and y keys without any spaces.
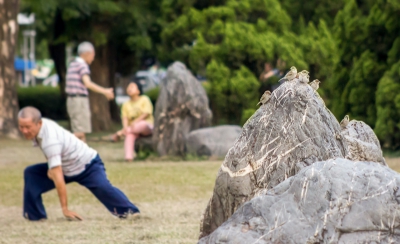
{"x":170,"y":195}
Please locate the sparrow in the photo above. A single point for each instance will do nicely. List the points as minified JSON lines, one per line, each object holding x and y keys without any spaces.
{"x":290,"y":75}
{"x":345,"y":121}
{"x":304,"y":72}
{"x":314,"y":84}
{"x":304,"y":77}
{"x":265,"y":97}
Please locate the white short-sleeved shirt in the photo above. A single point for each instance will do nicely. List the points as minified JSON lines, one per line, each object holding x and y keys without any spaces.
{"x":61,"y":147}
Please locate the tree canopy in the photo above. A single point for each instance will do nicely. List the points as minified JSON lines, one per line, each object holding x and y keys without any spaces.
{"x":363,"y":82}
{"x":229,"y":41}
{"x":352,"y":46}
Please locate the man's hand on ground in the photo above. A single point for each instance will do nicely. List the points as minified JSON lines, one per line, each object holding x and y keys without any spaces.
{"x":71,"y":215}
{"x":109,"y":93}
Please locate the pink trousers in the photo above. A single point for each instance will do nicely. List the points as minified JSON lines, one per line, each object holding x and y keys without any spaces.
{"x":141,"y":128}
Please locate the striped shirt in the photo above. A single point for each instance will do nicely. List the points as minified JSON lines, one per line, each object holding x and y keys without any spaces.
{"x":60,"y":147}
{"x":74,"y":83}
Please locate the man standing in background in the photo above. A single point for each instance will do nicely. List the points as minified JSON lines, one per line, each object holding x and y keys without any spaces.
{"x":77,"y":84}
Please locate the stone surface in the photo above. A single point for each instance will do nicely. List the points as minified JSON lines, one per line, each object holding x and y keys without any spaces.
{"x":336,"y":201}
{"x":362,"y":143}
{"x":292,"y":131}
{"x":212,"y":141}
{"x":182,"y":106}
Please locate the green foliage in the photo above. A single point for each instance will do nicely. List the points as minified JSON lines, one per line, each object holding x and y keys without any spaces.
{"x":130,"y":28}
{"x":153,"y":94}
{"x":364,"y":83}
{"x":229,"y":43}
{"x":47,"y":99}
{"x":231,"y":93}
{"x":388,"y":107}
{"x":358,"y":97}
{"x":312,"y":11}
{"x":352,"y":46}
{"x":247,"y":113}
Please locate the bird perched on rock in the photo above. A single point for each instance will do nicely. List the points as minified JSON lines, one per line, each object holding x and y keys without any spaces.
{"x":304,"y":72}
{"x":304,"y":77}
{"x":265,"y":98}
{"x":290,"y":75}
{"x":345,"y":121}
{"x":314,"y":84}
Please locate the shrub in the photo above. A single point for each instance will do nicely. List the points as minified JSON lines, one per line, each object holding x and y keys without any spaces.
{"x":231,"y":93}
{"x":47,"y":99}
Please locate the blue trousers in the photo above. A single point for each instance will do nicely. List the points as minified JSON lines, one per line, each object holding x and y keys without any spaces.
{"x":93,"y":178}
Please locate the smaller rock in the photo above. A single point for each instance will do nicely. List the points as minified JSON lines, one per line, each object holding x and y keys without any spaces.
{"x":144,"y":143}
{"x":362,"y":143}
{"x":212,"y":141}
{"x":181,"y":107}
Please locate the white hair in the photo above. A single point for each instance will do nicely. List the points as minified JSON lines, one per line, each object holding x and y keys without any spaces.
{"x":30,"y":112}
{"x":85,"y":47}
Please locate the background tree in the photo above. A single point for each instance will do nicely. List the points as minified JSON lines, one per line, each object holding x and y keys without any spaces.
{"x":368,"y":41}
{"x":312,"y":11}
{"x":351,"y":46}
{"x":229,"y":41}
{"x":121,"y":31}
{"x":8,"y":94}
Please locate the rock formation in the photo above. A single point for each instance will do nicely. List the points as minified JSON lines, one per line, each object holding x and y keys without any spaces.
{"x":290,"y":132}
{"x":335,"y":201}
{"x":212,"y":141}
{"x":182,"y":106}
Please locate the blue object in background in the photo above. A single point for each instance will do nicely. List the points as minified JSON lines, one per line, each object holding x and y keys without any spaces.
{"x":19,"y":64}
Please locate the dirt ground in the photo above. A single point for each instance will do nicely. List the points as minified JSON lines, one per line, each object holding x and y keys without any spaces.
{"x":170,"y":195}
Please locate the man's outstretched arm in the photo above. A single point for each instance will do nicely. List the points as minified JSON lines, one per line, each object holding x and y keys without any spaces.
{"x":107,"y":92}
{"x":56,"y":174}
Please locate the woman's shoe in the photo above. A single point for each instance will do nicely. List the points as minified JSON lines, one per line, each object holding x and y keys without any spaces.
{"x":114,"y":137}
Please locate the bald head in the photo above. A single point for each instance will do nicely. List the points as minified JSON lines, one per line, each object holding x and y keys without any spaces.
{"x":30,"y":112}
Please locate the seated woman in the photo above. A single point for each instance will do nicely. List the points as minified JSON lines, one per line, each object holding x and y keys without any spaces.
{"x":137,"y":118}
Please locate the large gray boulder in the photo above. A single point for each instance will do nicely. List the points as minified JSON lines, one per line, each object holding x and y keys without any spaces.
{"x":182,"y":106}
{"x":336,"y":201}
{"x":292,"y":131}
{"x":212,"y":141}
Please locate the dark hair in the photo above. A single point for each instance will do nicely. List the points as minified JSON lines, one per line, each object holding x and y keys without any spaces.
{"x":138,"y":84}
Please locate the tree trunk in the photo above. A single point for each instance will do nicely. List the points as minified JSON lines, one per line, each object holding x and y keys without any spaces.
{"x":57,"y":51}
{"x":100,"y":74}
{"x":114,"y":109}
{"x":8,"y":89}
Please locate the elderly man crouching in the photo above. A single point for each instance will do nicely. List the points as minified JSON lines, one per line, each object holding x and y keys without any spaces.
{"x":68,"y":160}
